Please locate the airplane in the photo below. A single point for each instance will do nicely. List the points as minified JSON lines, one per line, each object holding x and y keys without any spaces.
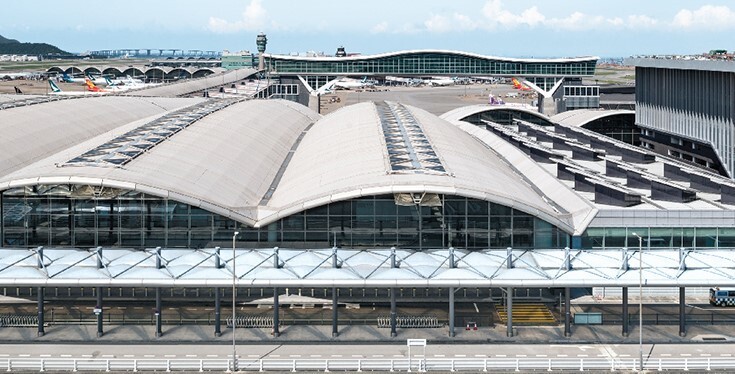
{"x":520,"y":86}
{"x":348,"y":84}
{"x":68,"y":79}
{"x":411,"y":82}
{"x":440,"y":81}
{"x":55,"y":90}
{"x":495,"y":100}
{"x":96,"y":80}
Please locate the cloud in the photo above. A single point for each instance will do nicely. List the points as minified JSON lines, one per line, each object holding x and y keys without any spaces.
{"x":253,"y":19}
{"x":456,"y":22}
{"x":708,"y":17}
{"x":380,"y":28}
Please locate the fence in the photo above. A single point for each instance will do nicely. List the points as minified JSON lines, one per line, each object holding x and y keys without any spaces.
{"x":357,"y":365}
{"x":411,"y":322}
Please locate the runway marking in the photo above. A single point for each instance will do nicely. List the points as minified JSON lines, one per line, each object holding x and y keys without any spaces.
{"x":108,"y":356}
{"x":90,"y":356}
{"x":149,"y":356}
{"x":460,"y":355}
{"x":169,"y":356}
{"x":64,"y":355}
{"x":542,"y":356}
{"x":315,"y":355}
{"x":726,"y":354}
{"x":521,"y":356}
{"x":44,"y":355}
{"x":24,"y":355}
{"x":218,"y":356}
{"x":191,"y":355}
{"x":685,"y":354}
{"x":562,"y":355}
{"x":357,"y":356}
{"x":126,"y":356}
{"x":294,"y":355}
{"x":4,"y":355}
{"x":439,"y":356}
{"x":664,"y":355}
{"x":501,"y":356}
{"x":480,"y":355}
{"x":582,"y":355}
{"x":336,"y":355}
{"x":378,"y":356}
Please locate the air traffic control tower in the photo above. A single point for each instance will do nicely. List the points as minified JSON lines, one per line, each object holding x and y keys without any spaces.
{"x":261,"y":41}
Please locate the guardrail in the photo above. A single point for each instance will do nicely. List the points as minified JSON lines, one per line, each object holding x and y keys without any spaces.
{"x":358,"y":365}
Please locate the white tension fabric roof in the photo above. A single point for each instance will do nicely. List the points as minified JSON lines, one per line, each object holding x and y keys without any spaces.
{"x":363,"y":268}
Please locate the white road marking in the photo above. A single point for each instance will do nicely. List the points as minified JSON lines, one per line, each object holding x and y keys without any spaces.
{"x":582,"y":356}
{"x":521,"y":356}
{"x":439,"y":356}
{"x":45,"y":355}
{"x":218,"y":356}
{"x":501,"y":356}
{"x":315,"y":355}
{"x":476,"y":308}
{"x":460,"y":355}
{"x":24,"y":355}
{"x":685,"y":354}
{"x":89,"y":356}
{"x":169,"y":356}
{"x":562,"y":355}
{"x":248,"y":355}
{"x":378,"y":356}
{"x":666,"y":355}
{"x":399,"y":356}
{"x":726,"y":354}
{"x":275,"y":355}
{"x":542,"y":356}
{"x":191,"y":355}
{"x":336,"y":355}
{"x":65,"y":355}
{"x":705,"y":355}
{"x":480,"y":355}
{"x":294,"y":355}
{"x":108,"y":356}
{"x":4,"y":355}
{"x":624,"y":355}
{"x":357,"y":356}
{"x":148,"y":356}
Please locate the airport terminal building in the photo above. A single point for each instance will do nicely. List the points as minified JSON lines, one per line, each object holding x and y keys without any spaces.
{"x":160,"y":192}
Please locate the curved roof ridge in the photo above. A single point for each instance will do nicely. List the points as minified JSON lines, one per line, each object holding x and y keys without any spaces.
{"x":404,"y":52}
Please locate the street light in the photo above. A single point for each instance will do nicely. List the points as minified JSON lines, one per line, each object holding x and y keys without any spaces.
{"x":234,"y":292}
{"x":640,"y":298}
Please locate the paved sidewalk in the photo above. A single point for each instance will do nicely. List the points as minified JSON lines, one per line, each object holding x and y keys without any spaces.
{"x":610,"y":334}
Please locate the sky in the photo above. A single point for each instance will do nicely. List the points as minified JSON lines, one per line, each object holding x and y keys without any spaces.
{"x":511,"y":28}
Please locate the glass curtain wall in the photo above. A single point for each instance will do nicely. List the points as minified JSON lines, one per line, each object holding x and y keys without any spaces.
{"x":89,"y":216}
{"x":659,"y":237}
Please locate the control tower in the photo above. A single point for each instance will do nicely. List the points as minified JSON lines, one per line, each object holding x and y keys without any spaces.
{"x":261,"y":41}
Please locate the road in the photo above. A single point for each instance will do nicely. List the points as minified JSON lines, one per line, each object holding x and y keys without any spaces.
{"x":346,"y":351}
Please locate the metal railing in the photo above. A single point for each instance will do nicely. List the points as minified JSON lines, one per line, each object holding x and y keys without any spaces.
{"x":399,"y":364}
{"x":18,"y":320}
{"x":411,"y":322}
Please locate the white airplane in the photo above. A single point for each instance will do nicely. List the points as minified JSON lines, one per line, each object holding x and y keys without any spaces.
{"x":349,"y":84}
{"x":440,"y":81}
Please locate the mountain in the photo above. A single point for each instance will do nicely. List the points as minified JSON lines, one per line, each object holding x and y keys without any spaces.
{"x":14,"y":47}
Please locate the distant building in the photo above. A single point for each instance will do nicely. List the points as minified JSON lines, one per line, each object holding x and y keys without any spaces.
{"x":686,"y":109}
{"x":238,"y":60}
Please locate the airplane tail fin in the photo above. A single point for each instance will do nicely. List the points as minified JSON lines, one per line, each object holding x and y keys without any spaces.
{"x":109,"y":81}
{"x":54,"y":87}
{"x":516,"y":83}
{"x":17,"y":90}
{"x":90,"y":85}
{"x":65,"y":77}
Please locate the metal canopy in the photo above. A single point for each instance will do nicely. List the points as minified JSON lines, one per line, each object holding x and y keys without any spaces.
{"x":364,"y":268}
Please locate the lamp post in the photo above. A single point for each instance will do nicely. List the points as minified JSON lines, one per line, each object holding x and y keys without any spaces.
{"x":640,"y":298}
{"x":234,"y":293}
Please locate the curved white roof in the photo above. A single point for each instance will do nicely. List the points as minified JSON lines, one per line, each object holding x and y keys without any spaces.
{"x":581,"y":117}
{"x":460,"y":113}
{"x":30,"y":133}
{"x":418,"y":51}
{"x":224,"y":162}
{"x":188,"y":86}
{"x":344,"y":156}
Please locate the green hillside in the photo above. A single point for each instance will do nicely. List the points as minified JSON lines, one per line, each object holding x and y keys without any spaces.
{"x":14,"y":47}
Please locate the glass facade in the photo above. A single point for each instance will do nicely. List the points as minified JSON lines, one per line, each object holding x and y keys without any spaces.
{"x":425,"y":63}
{"x":659,"y":237}
{"x":89,"y":216}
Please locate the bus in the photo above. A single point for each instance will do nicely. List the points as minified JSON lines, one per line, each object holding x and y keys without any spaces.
{"x":722,"y":296}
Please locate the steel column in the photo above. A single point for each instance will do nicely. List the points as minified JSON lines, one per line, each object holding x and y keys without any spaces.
{"x":159,"y":312}
{"x":217,"y":312}
{"x":276,"y":331}
{"x":451,"y":312}
{"x":567,"y":312}
{"x":335,"y":329}
{"x":682,"y":311}
{"x":626,"y":322}
{"x":393,"y":333}
{"x":41,"y":330}
{"x":99,"y":314}
{"x":509,"y":311}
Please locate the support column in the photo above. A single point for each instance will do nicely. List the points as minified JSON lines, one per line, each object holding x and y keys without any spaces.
{"x":41,"y":330}
{"x":567,"y":312}
{"x":276,"y":331}
{"x":335,"y":329}
{"x":682,"y":311}
{"x":509,"y":311}
{"x":99,"y":312}
{"x":217,"y":311}
{"x":626,"y":328}
{"x":393,"y":332}
{"x":159,"y":313}
{"x":451,"y":312}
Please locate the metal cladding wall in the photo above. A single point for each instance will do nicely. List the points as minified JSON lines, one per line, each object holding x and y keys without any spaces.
{"x":697,"y":104}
